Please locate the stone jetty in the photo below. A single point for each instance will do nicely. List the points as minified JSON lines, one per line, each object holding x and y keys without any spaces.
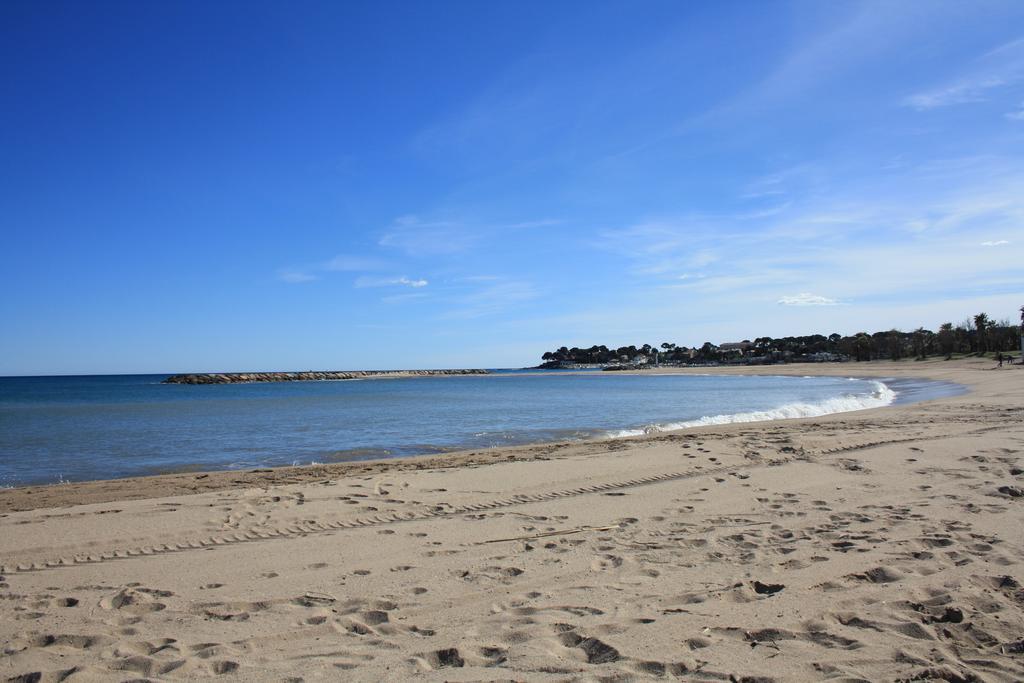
{"x":307,"y":376}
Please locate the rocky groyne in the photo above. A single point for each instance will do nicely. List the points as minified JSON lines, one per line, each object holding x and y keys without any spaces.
{"x":307,"y":376}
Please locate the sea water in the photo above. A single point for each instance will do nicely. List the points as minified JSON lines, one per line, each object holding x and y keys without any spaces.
{"x":56,"y":429}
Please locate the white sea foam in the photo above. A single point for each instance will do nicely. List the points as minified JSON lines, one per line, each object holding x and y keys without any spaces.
{"x":881,"y":396}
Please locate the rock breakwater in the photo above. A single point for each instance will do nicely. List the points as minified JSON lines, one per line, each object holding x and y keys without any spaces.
{"x":307,"y":376}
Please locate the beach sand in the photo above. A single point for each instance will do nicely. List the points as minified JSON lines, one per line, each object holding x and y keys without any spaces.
{"x":880,"y":545}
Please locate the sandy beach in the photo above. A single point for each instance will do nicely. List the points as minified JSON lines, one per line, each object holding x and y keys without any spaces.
{"x":879,"y":545}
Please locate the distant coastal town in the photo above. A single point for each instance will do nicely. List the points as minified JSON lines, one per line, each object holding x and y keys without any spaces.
{"x":979,"y":335}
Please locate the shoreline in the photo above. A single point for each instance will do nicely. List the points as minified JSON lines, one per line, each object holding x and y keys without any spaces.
{"x":881,"y":544}
{"x":582,"y":435}
{"x":36,"y":496}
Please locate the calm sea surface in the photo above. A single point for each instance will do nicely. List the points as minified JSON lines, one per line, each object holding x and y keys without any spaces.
{"x":104,"y":427}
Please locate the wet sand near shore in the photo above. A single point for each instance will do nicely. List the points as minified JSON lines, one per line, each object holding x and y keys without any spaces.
{"x":876,"y":545}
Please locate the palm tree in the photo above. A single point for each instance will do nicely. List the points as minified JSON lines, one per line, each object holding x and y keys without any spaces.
{"x":981,"y":324}
{"x":946,"y":339}
{"x":921,"y":343}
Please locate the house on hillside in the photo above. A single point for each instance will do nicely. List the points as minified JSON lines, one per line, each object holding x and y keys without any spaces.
{"x":735,"y":348}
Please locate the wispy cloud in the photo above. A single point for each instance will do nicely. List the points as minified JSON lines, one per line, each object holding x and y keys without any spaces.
{"x":962,"y":92}
{"x":996,"y":69}
{"x":843,"y":234}
{"x":340,"y":263}
{"x":994,"y":243}
{"x":807,"y":299}
{"x":419,"y":237}
{"x":492,"y":299}
{"x":416,"y":283}
{"x":529,"y":225}
{"x":1018,"y":114}
{"x":743,"y":277}
{"x":766,"y":186}
{"x":855,"y":34}
{"x":666,"y":248}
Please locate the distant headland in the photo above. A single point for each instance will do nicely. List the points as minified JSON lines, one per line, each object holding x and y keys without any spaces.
{"x":306,"y":376}
{"x":979,"y":335}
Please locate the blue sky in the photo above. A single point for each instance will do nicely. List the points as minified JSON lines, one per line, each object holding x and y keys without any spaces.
{"x":232,"y":186}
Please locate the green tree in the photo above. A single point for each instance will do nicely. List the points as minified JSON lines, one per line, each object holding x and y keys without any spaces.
{"x":894,"y":339}
{"x":862,"y":344}
{"x":981,"y":325}
{"x":920,"y":341}
{"x":946,"y":339}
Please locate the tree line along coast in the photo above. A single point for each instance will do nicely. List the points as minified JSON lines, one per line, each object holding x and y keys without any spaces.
{"x":980,"y":335}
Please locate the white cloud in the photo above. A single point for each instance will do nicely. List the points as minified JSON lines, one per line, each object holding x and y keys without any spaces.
{"x":295,"y":276}
{"x":1016,"y":115}
{"x":962,"y":92}
{"x":843,"y":236}
{"x":403,"y":281}
{"x":807,"y":299}
{"x":994,"y":243}
{"x":998,"y":68}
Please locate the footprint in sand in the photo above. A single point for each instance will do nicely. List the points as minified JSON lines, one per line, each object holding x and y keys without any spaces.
{"x":594,"y":651}
{"x":228,"y":611}
{"x":606,"y":562}
{"x":876,"y":575}
{"x":441,"y":659}
{"x":136,"y":600}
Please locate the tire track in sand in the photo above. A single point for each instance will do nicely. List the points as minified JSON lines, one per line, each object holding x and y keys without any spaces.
{"x":305,"y":528}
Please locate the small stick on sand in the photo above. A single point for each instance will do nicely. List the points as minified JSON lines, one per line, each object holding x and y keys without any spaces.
{"x":320,"y":597}
{"x":554,"y":533}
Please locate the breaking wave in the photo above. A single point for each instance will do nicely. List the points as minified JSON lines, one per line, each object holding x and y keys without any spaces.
{"x":881,"y":396}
